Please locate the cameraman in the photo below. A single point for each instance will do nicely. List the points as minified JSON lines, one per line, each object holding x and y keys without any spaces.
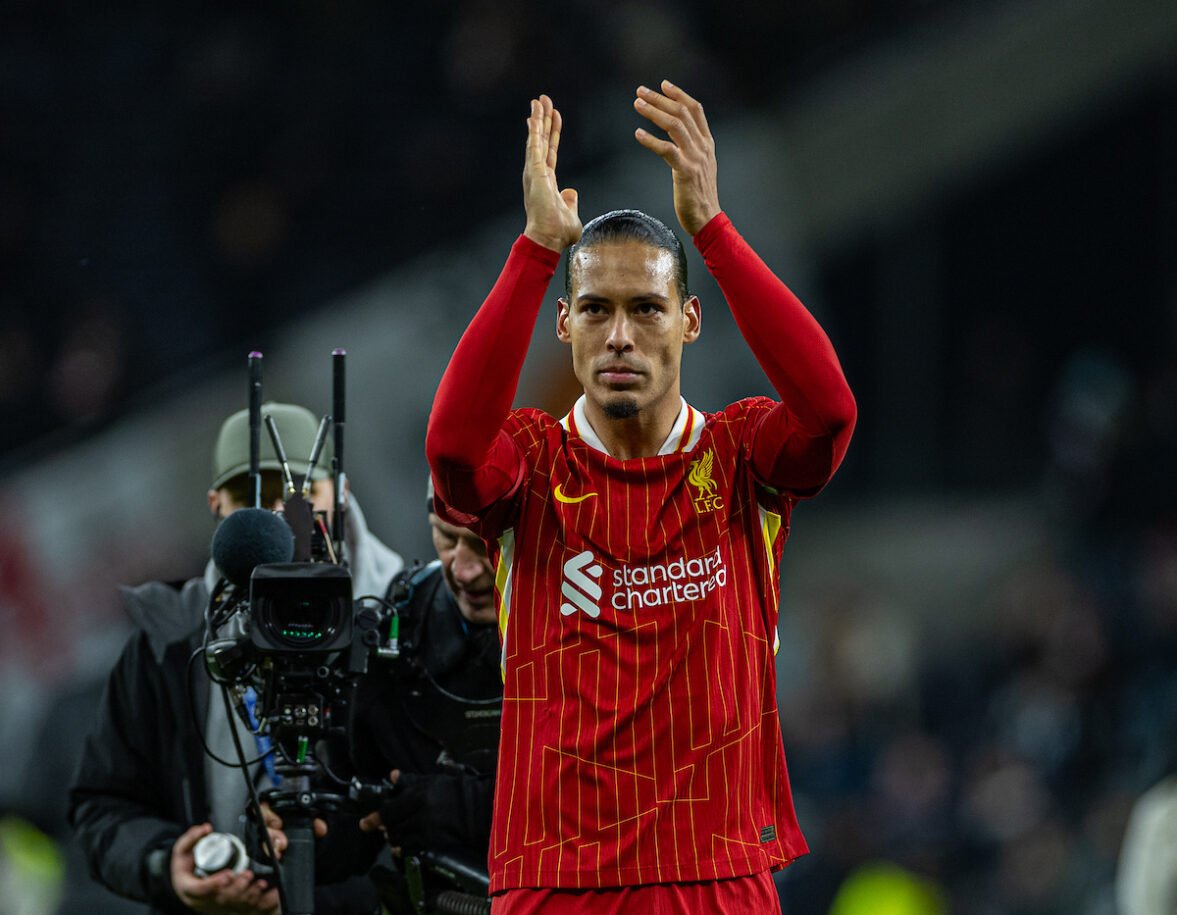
{"x":145,"y":791}
{"x":432,"y":716}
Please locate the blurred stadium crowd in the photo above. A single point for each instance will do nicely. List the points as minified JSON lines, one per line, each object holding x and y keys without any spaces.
{"x":1000,"y":765}
{"x":175,"y":183}
{"x":179,"y":180}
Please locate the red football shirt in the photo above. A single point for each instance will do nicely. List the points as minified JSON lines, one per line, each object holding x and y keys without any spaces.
{"x":638,"y":598}
{"x":638,"y":610}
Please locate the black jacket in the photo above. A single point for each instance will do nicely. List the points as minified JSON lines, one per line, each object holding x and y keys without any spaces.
{"x":140,"y":782}
{"x":434,"y":712}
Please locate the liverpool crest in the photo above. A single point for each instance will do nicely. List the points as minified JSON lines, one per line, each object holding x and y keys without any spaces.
{"x":706,"y":497}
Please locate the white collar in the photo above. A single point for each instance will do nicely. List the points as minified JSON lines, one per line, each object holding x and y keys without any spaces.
{"x":684,"y":434}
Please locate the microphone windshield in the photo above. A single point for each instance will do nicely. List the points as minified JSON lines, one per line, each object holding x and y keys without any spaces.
{"x":250,"y":537}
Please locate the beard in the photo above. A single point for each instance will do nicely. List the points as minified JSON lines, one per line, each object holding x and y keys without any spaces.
{"x":621,"y":409}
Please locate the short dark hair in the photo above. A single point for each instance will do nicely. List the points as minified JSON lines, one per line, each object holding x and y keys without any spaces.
{"x":630,"y":225}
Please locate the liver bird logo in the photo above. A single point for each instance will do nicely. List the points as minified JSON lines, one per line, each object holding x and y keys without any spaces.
{"x":699,"y":475}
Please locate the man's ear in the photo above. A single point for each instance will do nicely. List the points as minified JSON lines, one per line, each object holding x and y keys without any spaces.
{"x":692,"y":319}
{"x":563,"y":311}
{"x":214,"y":504}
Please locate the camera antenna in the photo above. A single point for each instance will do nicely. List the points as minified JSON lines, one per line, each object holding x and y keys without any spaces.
{"x":316,"y":450}
{"x":255,"y":426}
{"x":339,"y":416}
{"x":272,"y":428}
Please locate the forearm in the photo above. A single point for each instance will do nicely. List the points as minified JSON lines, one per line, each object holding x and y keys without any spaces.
{"x":472,"y":462}
{"x":118,"y":840}
{"x":817,"y":406}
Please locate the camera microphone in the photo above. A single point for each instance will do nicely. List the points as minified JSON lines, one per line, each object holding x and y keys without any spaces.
{"x":248,"y":538}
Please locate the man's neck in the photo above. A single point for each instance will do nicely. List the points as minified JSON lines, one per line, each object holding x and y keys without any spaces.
{"x":637,"y":436}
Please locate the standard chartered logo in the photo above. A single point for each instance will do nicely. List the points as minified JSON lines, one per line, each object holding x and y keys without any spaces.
{"x":683,"y":579}
{"x":580,"y":587}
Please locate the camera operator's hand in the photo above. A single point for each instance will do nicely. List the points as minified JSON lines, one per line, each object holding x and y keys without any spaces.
{"x":278,"y":837}
{"x":222,"y":893}
{"x":421,"y":813}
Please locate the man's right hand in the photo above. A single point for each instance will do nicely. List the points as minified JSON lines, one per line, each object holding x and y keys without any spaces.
{"x":552,"y":219}
{"x":222,"y":893}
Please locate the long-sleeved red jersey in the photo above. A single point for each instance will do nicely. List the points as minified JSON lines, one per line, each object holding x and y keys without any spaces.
{"x":638,"y":598}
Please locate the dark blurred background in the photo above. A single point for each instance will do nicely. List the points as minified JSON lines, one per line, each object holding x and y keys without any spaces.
{"x":978,"y":198}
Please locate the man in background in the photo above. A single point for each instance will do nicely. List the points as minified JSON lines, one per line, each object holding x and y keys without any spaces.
{"x":432,"y":716}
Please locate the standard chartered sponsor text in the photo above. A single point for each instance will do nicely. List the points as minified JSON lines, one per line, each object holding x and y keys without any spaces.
{"x":681,"y":579}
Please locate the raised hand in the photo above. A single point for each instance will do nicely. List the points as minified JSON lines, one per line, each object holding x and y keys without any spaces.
{"x":552,"y":219}
{"x":690,"y":151}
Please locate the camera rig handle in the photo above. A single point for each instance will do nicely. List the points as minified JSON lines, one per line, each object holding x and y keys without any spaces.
{"x":297,"y":803}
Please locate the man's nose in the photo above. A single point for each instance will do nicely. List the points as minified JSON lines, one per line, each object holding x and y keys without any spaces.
{"x":620,"y":339}
{"x":468,"y":564}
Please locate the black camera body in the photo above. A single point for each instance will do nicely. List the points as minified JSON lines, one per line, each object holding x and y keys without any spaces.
{"x":306,"y":643}
{"x":301,"y":608}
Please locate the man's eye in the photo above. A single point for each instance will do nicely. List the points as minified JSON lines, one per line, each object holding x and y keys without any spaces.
{"x":475,"y":546}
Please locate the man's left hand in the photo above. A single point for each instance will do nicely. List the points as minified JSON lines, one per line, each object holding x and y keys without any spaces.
{"x":690,"y":151}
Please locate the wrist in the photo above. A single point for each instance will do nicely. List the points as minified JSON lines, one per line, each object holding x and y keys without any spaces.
{"x":543,"y":239}
{"x":703,"y":220}
{"x":547,"y":258}
{"x":157,"y":879}
{"x":716,"y":228}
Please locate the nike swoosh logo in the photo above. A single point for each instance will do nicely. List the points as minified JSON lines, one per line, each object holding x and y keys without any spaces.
{"x":570,"y":500}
